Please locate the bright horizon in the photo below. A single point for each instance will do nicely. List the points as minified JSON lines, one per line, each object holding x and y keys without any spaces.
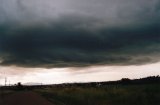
{"x":71,"y":75}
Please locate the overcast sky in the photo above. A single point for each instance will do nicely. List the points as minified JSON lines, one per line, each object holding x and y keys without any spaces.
{"x":78,"y":34}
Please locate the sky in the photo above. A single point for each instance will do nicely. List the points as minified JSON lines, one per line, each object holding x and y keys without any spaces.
{"x":78,"y":40}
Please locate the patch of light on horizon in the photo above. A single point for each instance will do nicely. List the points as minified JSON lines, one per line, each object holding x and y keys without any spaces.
{"x":62,"y":75}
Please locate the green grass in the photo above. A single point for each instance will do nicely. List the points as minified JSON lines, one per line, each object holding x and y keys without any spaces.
{"x":110,"y":95}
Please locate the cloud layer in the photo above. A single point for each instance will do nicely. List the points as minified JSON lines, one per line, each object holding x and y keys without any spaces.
{"x":72,"y":33}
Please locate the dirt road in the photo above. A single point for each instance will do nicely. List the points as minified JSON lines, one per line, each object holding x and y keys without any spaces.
{"x":24,"y":98}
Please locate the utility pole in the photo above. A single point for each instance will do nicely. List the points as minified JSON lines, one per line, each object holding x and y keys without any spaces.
{"x":5,"y":81}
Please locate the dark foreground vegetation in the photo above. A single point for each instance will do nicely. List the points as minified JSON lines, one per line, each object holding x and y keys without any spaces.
{"x":144,"y":91}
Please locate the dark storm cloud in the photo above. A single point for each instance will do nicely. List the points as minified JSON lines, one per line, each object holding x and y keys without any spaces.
{"x":127,"y":33}
{"x":60,"y":47}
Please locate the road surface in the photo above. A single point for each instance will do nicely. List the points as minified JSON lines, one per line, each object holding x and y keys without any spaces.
{"x":24,"y":98}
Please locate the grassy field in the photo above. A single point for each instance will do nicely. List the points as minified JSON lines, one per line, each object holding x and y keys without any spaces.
{"x":108,"y":95}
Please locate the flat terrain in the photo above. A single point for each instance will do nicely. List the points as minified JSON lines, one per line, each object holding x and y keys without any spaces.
{"x":24,"y":98}
{"x":117,"y":94}
{"x":105,"y":95}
